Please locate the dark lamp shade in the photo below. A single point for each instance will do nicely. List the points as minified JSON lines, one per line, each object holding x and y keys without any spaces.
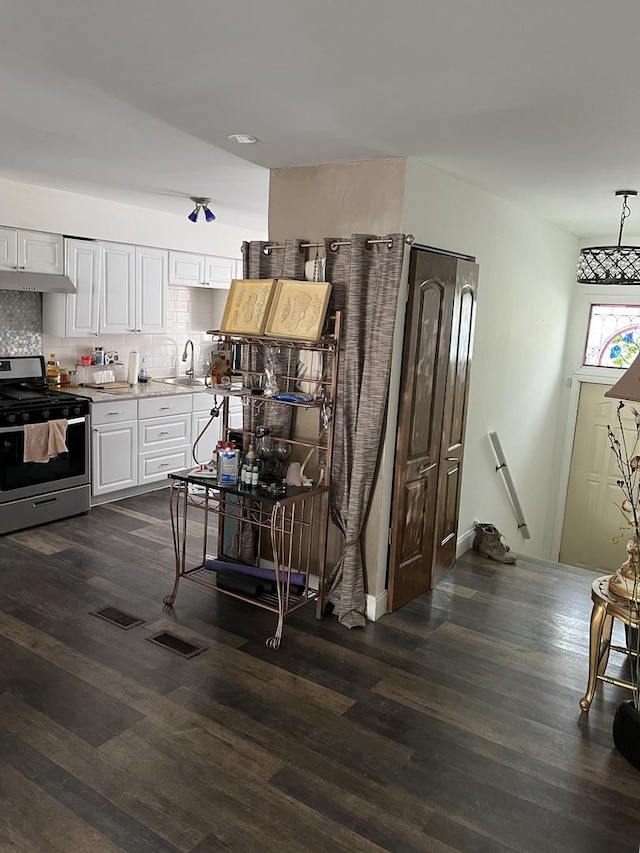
{"x":628,"y":386}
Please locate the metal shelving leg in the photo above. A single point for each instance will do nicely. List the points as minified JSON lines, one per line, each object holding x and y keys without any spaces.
{"x":179,"y":529}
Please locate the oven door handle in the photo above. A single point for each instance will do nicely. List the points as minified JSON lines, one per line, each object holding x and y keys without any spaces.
{"x":72,"y":422}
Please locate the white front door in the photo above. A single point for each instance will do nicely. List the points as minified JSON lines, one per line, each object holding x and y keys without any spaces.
{"x":592,"y":513}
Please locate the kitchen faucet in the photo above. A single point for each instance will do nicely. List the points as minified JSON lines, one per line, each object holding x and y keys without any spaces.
{"x":191,"y":371}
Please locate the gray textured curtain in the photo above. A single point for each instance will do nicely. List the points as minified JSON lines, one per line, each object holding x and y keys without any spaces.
{"x":278,"y":263}
{"x":365,"y":280}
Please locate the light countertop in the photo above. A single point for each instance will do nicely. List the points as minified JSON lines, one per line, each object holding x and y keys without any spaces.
{"x":153,"y":388}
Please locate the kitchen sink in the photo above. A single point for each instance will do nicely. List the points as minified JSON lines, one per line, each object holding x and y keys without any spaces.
{"x":187,"y":381}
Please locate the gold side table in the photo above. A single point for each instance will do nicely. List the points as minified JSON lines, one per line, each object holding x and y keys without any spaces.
{"x":606,"y":608}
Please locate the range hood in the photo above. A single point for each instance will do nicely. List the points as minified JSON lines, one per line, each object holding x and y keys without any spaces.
{"x":35,"y":282}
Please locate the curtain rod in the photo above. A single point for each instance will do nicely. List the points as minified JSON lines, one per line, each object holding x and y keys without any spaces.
{"x":335,"y":244}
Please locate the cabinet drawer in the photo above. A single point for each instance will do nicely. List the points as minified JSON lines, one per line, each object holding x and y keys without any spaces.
{"x":155,"y":466}
{"x":114,"y":412}
{"x":157,"y":433}
{"x":160,"y":407}
{"x":203,"y":402}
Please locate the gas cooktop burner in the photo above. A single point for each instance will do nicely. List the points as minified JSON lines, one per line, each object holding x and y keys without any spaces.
{"x":25,"y":396}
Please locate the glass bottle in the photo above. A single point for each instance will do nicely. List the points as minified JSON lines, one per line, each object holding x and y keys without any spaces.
{"x":53,"y":370}
{"x":264,"y":445}
{"x":143,"y":374}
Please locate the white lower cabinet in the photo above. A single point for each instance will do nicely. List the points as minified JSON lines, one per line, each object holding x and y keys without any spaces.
{"x":209,"y":438}
{"x":156,"y":465}
{"x":114,"y":456}
{"x":136,"y":442}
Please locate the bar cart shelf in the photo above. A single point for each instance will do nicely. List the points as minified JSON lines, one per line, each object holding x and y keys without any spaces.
{"x":287,"y":531}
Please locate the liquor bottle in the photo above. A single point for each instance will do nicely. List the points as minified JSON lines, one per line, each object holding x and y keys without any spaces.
{"x":143,"y":374}
{"x":53,"y":370}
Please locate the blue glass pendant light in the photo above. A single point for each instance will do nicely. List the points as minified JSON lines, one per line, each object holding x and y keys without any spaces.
{"x":201,"y":204}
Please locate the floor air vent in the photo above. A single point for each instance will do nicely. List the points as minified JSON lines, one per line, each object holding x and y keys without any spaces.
{"x":176,"y":644}
{"x":118,"y":617}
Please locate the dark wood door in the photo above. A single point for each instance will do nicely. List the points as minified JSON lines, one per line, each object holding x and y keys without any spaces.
{"x":431,"y":423}
{"x":455,"y":418}
{"x":418,"y":450}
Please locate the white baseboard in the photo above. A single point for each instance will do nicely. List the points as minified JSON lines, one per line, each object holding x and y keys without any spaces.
{"x":465,"y":542}
{"x":376,"y":606}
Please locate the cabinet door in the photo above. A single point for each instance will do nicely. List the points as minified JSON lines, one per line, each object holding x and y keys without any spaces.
{"x":83,"y":268}
{"x":219,"y":271}
{"x":151,"y":289}
{"x":8,"y":248}
{"x":209,"y":439}
{"x":186,"y":268}
{"x":114,"y":457}
{"x":235,"y":414}
{"x":117,"y":303}
{"x":40,"y":252}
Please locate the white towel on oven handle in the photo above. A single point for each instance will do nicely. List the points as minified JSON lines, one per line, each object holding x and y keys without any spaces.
{"x":43,"y":442}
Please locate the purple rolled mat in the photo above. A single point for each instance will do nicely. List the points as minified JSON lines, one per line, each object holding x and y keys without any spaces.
{"x":213,"y":564}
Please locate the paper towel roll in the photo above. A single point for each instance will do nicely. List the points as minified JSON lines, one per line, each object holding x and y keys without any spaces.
{"x":133,"y":367}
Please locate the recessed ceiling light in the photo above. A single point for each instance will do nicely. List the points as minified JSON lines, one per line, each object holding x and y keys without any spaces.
{"x":243,"y":138}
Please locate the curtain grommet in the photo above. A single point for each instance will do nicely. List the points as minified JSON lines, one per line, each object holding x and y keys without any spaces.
{"x":333,"y":245}
{"x":266,"y":251}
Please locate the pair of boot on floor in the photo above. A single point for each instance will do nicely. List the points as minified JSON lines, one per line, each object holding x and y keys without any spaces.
{"x":488,"y":543}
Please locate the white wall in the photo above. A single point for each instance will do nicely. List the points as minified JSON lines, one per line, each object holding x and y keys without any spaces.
{"x":45,"y":209}
{"x":518,"y":388}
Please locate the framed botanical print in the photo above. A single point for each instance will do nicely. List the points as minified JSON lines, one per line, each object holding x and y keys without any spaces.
{"x":247,"y":306}
{"x":298,"y":309}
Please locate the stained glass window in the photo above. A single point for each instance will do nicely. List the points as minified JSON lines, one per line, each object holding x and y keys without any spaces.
{"x":613,"y":336}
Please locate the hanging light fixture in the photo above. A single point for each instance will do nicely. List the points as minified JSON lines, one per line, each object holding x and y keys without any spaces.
{"x":201,"y":204}
{"x":611,"y":264}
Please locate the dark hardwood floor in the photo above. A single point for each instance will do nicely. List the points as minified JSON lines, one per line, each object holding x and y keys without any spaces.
{"x":451,"y":725}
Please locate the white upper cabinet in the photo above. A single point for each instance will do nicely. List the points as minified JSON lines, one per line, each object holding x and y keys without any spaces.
{"x":134,"y":289}
{"x":118,"y":303}
{"x":193,"y":270}
{"x":8,"y":249}
{"x":39,"y":252}
{"x":219,"y":271}
{"x":31,"y":251}
{"x":151,"y":289}
{"x":74,"y":315}
{"x":186,"y":268}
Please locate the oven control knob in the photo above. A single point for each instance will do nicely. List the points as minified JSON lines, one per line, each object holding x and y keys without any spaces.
{"x":45,"y":414}
{"x":25,"y":416}
{"x":76,"y":410}
{"x":65,"y":412}
{"x":11,"y":419}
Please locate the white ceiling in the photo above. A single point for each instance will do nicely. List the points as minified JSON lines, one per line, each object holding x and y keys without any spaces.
{"x":134,"y":99}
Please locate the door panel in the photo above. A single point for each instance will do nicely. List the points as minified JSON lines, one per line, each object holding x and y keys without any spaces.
{"x":8,"y":249}
{"x":40,"y":252}
{"x":455,"y":418}
{"x":151,"y":289}
{"x":425,"y":359}
{"x":83,"y":268}
{"x":431,"y":423}
{"x":592,"y":513}
{"x":118,"y":289}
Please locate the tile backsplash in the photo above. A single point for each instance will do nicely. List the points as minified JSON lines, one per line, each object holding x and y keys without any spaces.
{"x":191,"y":311}
{"x":20,"y":323}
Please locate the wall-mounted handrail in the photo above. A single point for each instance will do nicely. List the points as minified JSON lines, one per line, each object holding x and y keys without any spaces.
{"x":508,"y":481}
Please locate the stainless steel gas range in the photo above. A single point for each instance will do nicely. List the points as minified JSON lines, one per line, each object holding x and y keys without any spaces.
{"x":34,"y":493}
